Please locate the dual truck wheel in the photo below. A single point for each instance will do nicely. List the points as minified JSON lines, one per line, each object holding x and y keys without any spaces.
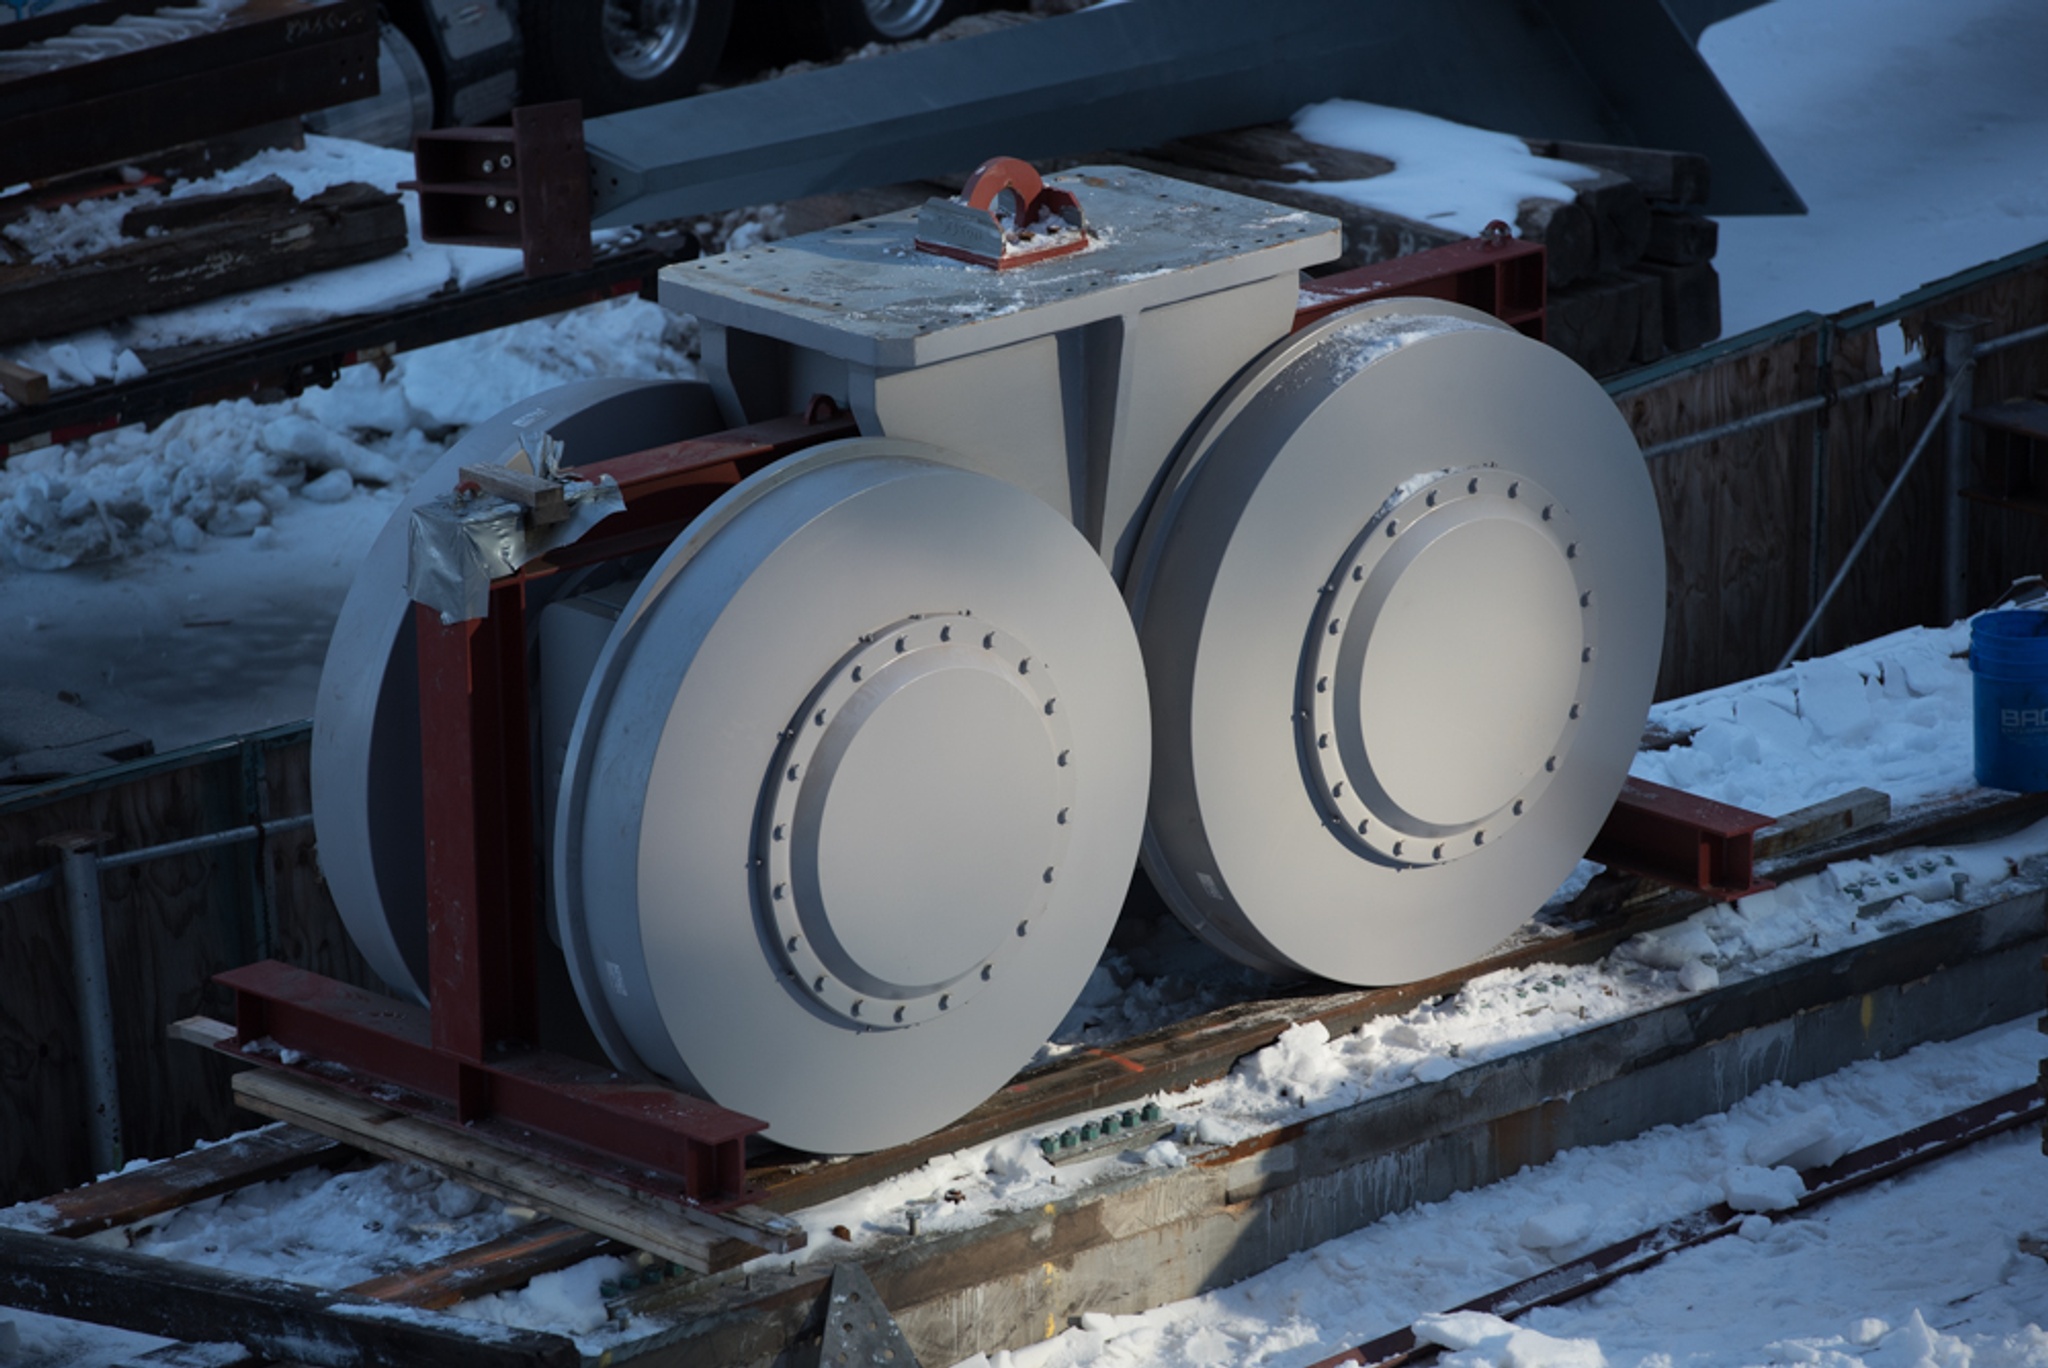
{"x":849,"y":784}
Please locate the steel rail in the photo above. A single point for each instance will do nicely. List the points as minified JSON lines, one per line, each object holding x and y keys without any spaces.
{"x":1591,"y":1272}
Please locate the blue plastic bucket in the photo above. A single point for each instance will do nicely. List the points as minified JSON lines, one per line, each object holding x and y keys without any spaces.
{"x":2009,"y":662}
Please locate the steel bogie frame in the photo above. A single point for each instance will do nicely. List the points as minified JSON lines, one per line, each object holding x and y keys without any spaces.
{"x":467,"y":1057}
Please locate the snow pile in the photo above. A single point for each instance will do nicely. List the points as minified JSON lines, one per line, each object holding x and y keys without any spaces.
{"x":327,"y":1229}
{"x":1445,"y":173}
{"x":228,"y":469}
{"x":1483,"y":1341}
{"x":1892,"y":714}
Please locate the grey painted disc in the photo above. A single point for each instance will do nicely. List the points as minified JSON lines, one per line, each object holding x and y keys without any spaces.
{"x":367,"y":800}
{"x":854,"y":796}
{"x":1401,"y":602}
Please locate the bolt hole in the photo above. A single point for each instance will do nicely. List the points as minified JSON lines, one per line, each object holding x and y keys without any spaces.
{"x":945,"y":633}
{"x":1023,"y":928}
{"x":1062,"y":818}
{"x":1323,"y":684}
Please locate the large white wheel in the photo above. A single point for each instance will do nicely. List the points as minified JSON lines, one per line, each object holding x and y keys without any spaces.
{"x":367,"y":797}
{"x":1401,"y":602}
{"x":854,"y":796}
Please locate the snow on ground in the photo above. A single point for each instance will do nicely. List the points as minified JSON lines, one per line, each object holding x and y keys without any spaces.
{"x":209,"y":557}
{"x":1921,"y":1272}
{"x":1913,"y":131}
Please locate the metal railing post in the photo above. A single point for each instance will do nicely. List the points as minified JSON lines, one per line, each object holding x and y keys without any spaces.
{"x":79,"y":869}
{"x":1959,"y":369}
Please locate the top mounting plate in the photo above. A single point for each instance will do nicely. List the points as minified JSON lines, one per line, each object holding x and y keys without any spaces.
{"x":864,"y":293}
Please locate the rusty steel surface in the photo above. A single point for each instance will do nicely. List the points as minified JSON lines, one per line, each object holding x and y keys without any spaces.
{"x":523,"y":187}
{"x":1681,"y":839}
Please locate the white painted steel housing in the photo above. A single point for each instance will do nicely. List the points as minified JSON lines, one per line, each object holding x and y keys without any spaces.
{"x":847,"y":789}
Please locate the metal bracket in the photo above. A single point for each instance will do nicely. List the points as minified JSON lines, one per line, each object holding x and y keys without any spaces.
{"x":858,"y":1327}
{"x":527,"y":186}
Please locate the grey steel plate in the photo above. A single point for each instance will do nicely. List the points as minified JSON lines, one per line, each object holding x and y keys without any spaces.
{"x":1402,"y":606}
{"x":864,"y":293}
{"x":853,"y":797}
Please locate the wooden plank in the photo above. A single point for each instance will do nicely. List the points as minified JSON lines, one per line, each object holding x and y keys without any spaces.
{"x":1668,"y":177}
{"x":1597,"y":322}
{"x":151,"y":1296}
{"x":663,"y":1228}
{"x":512,"y":1260}
{"x":1270,"y":152}
{"x":23,"y":385}
{"x":259,"y":198}
{"x":1856,"y":810}
{"x":340,"y":226}
{"x":1682,"y":238}
{"x":1621,"y":220}
{"x":1566,"y":231}
{"x":257,"y":1157}
{"x":1692,"y":302}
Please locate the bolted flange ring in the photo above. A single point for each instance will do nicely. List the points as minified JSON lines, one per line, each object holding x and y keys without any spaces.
{"x":839,"y":750}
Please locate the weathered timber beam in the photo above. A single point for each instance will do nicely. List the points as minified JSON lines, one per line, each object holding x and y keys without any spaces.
{"x":277,"y":1319}
{"x":340,"y":226}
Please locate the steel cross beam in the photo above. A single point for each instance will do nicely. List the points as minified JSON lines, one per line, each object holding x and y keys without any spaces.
{"x":1134,"y":75}
{"x":467,"y":1058}
{"x":1682,"y":839}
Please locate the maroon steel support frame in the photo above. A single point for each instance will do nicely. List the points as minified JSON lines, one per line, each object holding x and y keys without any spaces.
{"x":1502,"y":275}
{"x":467,"y":1059}
{"x":1682,"y":839}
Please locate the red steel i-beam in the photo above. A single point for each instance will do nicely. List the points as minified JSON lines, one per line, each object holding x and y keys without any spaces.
{"x":1682,"y":839}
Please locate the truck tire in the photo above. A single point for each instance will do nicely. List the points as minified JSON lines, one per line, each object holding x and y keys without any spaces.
{"x":620,"y":54}
{"x":856,"y":23}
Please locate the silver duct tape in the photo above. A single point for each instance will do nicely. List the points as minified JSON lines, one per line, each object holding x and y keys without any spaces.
{"x":458,"y":544}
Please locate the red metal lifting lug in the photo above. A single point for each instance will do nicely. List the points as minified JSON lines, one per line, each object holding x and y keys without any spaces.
{"x":1043,"y":222}
{"x":1682,"y":839}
